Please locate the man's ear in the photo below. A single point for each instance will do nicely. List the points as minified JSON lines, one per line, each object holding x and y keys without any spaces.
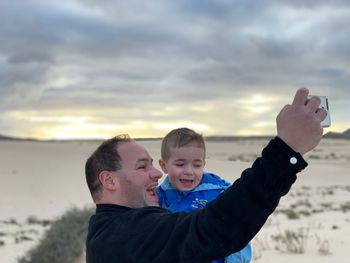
{"x":108,"y":180}
{"x":162,"y":165}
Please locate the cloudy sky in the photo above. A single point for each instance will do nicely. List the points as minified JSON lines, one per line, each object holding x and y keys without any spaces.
{"x":94,"y":69}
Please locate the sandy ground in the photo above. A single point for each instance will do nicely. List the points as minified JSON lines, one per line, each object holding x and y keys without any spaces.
{"x":41,"y":180}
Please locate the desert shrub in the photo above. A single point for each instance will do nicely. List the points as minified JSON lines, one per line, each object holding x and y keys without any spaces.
{"x":324,"y":247}
{"x":317,"y":211}
{"x":313,"y":156}
{"x":291,"y":241}
{"x":33,"y":220}
{"x":11,"y":221}
{"x":259,"y":244}
{"x":305,"y":203}
{"x":63,"y":241}
{"x":327,"y":205}
{"x":304,"y":213}
{"x":290,"y":213}
{"x":345,"y":207}
{"x":22,"y":238}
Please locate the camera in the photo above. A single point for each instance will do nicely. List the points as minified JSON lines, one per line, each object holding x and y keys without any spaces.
{"x":324,"y":105}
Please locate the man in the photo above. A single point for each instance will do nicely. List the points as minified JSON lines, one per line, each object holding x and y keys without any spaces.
{"x":129,"y":227}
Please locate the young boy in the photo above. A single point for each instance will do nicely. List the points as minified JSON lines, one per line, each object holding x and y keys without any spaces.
{"x":186,"y":187}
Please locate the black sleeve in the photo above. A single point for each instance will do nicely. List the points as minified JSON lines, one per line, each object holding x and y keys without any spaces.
{"x":236,"y":216}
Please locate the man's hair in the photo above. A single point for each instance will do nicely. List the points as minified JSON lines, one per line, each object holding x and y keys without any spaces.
{"x":105,"y":158}
{"x":178,"y":138}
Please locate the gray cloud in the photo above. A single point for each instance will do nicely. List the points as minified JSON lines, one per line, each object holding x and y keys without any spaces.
{"x":149,"y":54}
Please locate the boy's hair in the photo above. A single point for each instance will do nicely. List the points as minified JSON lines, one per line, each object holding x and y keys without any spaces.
{"x":105,"y":158}
{"x":178,"y":138}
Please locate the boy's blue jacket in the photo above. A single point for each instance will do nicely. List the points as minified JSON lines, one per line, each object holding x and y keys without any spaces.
{"x":207,"y":190}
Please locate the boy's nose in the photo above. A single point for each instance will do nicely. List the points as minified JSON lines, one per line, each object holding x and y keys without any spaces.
{"x":189,"y":170}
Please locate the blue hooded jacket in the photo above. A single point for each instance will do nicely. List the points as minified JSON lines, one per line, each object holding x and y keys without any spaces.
{"x":207,"y":190}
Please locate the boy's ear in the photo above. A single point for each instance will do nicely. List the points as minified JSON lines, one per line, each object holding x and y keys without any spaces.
{"x":163,"y":166}
{"x":108,"y":180}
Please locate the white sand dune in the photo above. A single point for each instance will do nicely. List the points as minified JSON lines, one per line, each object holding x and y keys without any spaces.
{"x":43,"y":179}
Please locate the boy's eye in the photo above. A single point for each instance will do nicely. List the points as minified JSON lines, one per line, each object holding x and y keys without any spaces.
{"x":197,"y":165}
{"x":179,"y":164}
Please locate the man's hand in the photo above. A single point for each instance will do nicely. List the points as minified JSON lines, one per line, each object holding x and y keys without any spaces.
{"x":299,"y":124}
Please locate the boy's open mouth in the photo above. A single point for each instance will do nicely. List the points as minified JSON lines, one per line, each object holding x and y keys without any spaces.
{"x":186,"y":182}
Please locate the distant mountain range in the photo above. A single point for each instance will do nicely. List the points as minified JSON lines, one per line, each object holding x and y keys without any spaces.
{"x":9,"y":138}
{"x":6,"y":137}
{"x":332,"y":135}
{"x":340,"y":135}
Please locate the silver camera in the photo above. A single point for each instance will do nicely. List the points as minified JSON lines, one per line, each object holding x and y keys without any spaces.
{"x":324,"y":105}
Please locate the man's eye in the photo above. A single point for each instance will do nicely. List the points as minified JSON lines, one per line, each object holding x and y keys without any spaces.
{"x":142,"y":167}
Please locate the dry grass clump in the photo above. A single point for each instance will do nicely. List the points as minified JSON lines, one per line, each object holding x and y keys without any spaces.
{"x":292,"y":241}
{"x":63,"y":241}
{"x":33,"y":220}
{"x":345,"y":206}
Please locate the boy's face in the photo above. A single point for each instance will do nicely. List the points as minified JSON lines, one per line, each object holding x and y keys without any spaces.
{"x":184,"y":167}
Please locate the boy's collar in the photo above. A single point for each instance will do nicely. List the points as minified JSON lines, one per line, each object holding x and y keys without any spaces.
{"x":207,"y":183}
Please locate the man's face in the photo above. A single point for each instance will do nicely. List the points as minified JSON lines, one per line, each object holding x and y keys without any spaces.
{"x":138,"y":178}
{"x":185,"y":167}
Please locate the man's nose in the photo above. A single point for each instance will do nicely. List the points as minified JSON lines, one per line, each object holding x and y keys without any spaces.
{"x":155,"y":173}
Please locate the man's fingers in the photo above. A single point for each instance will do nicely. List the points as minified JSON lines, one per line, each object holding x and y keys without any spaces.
{"x":300,"y":97}
{"x":321,"y":114}
{"x":313,"y":104}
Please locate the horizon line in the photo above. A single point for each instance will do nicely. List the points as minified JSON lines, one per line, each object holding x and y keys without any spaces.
{"x":218,"y":137}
